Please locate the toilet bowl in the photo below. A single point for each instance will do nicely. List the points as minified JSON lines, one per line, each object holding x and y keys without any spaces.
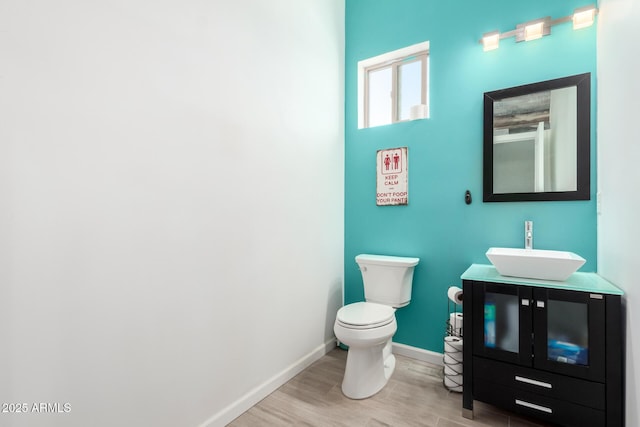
{"x":367,"y":327}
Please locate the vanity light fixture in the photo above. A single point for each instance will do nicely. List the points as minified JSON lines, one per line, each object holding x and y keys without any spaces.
{"x":582,"y":17}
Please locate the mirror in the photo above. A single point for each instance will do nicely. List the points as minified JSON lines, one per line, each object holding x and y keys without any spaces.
{"x":537,"y":141}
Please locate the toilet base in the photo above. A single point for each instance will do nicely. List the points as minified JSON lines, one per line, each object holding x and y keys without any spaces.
{"x":368,"y":370}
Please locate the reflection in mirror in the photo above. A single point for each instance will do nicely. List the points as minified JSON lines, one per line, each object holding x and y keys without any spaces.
{"x":537,"y":141}
{"x":534,"y":146}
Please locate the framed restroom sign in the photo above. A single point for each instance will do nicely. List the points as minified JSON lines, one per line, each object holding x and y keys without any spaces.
{"x":392,"y":181}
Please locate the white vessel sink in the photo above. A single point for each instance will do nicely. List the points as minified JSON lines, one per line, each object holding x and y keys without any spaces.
{"x":535,"y":263}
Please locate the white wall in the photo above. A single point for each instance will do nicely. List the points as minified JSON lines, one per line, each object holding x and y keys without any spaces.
{"x":619,"y":171}
{"x":171,"y":203}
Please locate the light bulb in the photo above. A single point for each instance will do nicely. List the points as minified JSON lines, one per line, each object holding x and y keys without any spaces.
{"x":583,"y":18}
{"x":534,"y":31}
{"x":491,"y":41}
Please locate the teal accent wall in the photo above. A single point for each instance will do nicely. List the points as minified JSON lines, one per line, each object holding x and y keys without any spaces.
{"x":445,"y":151}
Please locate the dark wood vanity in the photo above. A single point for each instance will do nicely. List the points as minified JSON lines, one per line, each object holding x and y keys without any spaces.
{"x":549,"y":350}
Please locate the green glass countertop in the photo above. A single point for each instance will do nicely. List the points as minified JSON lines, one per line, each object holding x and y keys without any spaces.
{"x":584,"y":282}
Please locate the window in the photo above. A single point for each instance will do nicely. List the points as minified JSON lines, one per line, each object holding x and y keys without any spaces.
{"x":393,"y":87}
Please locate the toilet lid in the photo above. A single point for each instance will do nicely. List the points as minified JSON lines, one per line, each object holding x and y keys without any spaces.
{"x":365,"y":315}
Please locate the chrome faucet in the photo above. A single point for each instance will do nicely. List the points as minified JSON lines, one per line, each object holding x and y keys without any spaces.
{"x":528,"y":234}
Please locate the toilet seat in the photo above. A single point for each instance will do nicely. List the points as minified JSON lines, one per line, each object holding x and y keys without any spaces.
{"x":365,"y":315}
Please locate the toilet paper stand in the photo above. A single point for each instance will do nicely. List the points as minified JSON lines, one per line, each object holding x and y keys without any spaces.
{"x":452,"y":357}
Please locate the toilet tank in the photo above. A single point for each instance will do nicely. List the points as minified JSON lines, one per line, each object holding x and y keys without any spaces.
{"x":387,"y":279}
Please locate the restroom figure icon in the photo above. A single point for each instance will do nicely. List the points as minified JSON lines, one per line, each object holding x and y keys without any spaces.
{"x":392,"y":162}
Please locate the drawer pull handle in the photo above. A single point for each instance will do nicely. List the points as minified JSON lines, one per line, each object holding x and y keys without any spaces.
{"x":534,"y":406}
{"x":534,"y":382}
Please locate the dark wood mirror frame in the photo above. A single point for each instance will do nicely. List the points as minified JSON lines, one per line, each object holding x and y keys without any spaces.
{"x":582,"y":192}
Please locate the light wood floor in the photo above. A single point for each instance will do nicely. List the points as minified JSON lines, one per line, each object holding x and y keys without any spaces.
{"x":414,"y":396}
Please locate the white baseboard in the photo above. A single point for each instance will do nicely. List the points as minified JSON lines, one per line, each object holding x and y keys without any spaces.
{"x":418,"y":353}
{"x":254,"y":396}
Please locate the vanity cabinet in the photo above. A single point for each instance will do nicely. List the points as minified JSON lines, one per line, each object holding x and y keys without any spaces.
{"x":550,"y":350}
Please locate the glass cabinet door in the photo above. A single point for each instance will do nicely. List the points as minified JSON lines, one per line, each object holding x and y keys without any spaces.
{"x":569,"y":332}
{"x":502,"y":322}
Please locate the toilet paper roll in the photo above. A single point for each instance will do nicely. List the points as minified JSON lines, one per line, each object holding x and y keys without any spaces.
{"x":455,"y":379}
{"x":452,"y":344}
{"x":452,"y":359}
{"x":455,"y":321}
{"x":449,"y":349}
{"x":455,"y":294}
{"x":453,"y":369}
{"x":453,"y":383}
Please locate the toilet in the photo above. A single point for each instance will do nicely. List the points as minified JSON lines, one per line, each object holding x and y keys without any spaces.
{"x":367,"y":327}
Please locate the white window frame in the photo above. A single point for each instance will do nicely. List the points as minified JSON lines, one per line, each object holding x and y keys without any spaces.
{"x":416,"y":52}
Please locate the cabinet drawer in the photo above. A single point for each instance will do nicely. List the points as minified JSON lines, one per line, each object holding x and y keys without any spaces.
{"x":538,"y":406}
{"x":581,"y":392}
